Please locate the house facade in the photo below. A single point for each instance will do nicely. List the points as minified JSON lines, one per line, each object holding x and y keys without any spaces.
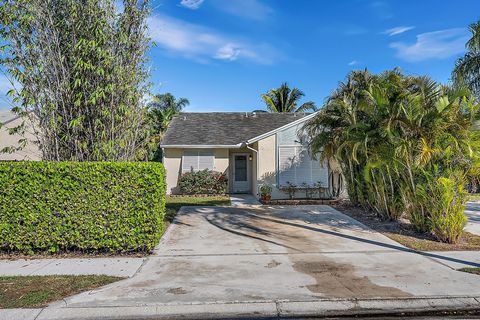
{"x":251,"y":149}
{"x":9,"y":121}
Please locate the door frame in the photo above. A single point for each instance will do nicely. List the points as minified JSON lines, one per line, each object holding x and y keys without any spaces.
{"x":232,"y":171}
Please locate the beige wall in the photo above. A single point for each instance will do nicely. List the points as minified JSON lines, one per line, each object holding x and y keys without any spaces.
{"x":172,"y":160}
{"x":221,"y":160}
{"x":267,"y":166}
{"x":29,"y":152}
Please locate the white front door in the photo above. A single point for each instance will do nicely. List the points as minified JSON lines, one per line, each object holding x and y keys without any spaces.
{"x":241,"y":173}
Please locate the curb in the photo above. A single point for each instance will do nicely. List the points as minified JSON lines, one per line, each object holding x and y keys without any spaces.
{"x":256,"y":310}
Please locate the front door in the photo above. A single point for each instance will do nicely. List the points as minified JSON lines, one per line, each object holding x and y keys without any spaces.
{"x":241,"y":173}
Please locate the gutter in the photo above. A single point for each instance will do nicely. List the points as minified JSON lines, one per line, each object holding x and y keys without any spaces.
{"x":202,"y":146}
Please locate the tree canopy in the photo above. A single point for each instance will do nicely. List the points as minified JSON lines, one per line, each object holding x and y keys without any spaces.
{"x":81,"y":73}
{"x":286,"y":99}
{"x":160,"y":112}
{"x":467,"y":69}
{"x":404,"y":147}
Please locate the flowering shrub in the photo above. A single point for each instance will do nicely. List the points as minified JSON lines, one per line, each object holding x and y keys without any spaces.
{"x":203,"y":182}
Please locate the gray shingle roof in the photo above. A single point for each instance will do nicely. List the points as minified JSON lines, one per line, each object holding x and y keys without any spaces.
{"x":223,"y":128}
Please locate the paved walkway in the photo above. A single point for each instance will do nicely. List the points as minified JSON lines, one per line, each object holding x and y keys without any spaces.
{"x":239,"y":200}
{"x":120,"y":267}
{"x":473,"y":213}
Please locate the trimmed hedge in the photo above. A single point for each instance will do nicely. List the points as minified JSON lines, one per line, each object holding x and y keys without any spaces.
{"x":81,"y":206}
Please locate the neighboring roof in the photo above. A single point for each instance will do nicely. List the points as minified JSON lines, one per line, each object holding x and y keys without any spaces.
{"x":6,"y":115}
{"x":224,"y":128}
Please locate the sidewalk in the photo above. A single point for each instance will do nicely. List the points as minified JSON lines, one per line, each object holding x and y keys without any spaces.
{"x":473,"y":213}
{"x":254,"y":310}
{"x":120,"y":267}
{"x":239,"y":200}
{"x":456,"y":259}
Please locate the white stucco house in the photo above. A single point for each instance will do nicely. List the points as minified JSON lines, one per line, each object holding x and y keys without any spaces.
{"x":251,"y":149}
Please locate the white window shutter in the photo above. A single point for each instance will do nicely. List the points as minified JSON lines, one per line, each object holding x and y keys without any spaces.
{"x":205,"y":160}
{"x":190,"y":161}
{"x":197,"y":160}
{"x":297,"y":167}
{"x":320,"y":173}
{"x":288,"y":159}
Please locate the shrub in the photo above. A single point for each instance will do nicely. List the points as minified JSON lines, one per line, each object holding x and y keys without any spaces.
{"x":290,"y":189}
{"x":265,"y":190}
{"x":203,"y":182}
{"x":446,"y":211}
{"x":86,"y":206}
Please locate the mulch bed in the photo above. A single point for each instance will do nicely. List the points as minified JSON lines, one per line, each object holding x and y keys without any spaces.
{"x":403,"y":232}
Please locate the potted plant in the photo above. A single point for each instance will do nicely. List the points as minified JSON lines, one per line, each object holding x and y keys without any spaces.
{"x":266,"y":193}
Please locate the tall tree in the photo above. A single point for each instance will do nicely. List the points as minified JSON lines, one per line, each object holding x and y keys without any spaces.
{"x":81,"y":70}
{"x":160,"y":112}
{"x":467,"y":69}
{"x":404,"y":146}
{"x":286,"y":99}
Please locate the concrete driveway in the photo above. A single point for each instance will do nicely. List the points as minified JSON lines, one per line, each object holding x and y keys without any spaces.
{"x":473,"y":213}
{"x":302,"y":253}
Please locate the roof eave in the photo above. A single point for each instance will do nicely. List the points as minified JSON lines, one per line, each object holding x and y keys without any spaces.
{"x":288,"y":125}
{"x":201,"y":146}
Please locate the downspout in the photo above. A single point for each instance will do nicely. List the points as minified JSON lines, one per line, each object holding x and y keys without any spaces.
{"x":256,"y":157}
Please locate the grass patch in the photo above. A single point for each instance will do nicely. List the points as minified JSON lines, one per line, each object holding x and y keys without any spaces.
{"x":38,"y":291}
{"x":474,"y":197}
{"x":173,"y":204}
{"x":404,"y":233}
{"x":473,"y":270}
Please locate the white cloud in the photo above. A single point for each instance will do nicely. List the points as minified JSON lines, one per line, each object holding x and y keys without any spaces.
{"x":228,"y":52}
{"x":353,"y":62}
{"x":433,"y":45}
{"x":191,"y":4}
{"x":203,"y":44}
{"x":398,"y":30}
{"x":249,"y":9}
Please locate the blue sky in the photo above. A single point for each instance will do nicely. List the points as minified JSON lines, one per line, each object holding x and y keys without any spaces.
{"x":222,"y":54}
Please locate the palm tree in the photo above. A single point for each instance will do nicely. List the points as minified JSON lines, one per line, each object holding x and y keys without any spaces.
{"x":163,"y":108}
{"x":467,"y":68}
{"x":285,"y":99}
{"x":160,"y":112}
{"x":403,"y":143}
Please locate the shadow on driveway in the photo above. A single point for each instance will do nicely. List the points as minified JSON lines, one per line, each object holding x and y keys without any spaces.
{"x":259,"y":224}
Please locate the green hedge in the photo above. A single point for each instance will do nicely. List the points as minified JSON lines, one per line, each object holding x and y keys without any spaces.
{"x":81,"y":206}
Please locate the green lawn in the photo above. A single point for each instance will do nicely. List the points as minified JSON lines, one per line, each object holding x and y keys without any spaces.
{"x":471,"y":270}
{"x":38,"y":291}
{"x":474,"y":197}
{"x":173,"y":204}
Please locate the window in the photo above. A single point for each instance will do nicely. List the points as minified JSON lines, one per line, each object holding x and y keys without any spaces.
{"x":297,"y":167}
{"x":197,"y":160}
